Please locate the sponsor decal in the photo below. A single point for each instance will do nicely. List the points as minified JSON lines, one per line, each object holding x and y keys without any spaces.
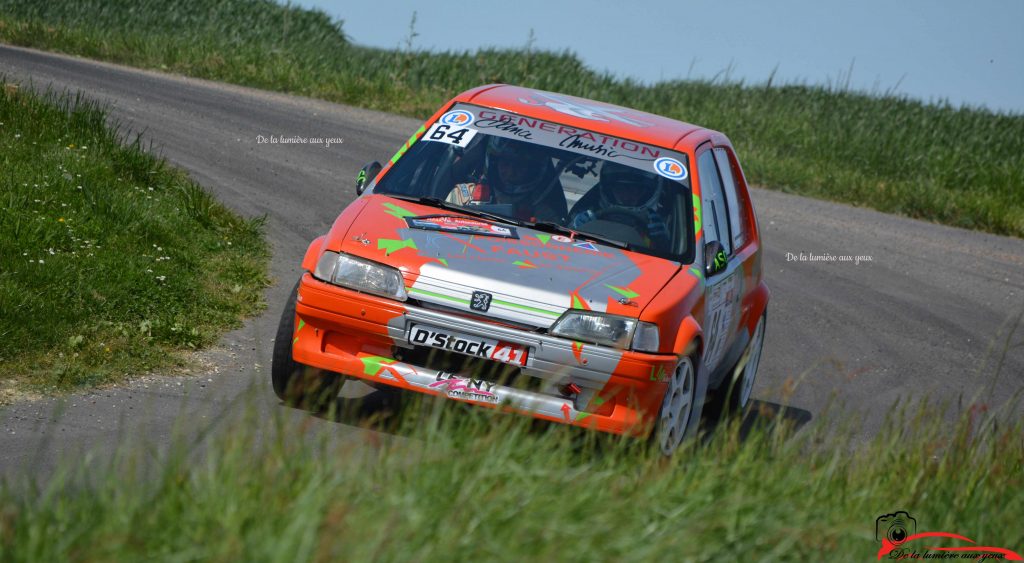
{"x":586,"y":245}
{"x":439,"y":339}
{"x":720,"y":260}
{"x":546,"y":133}
{"x":658,"y":373}
{"x":507,"y":126}
{"x":582,"y":110}
{"x":486,"y":348}
{"x":456,"y":224}
{"x":670,"y":168}
{"x":527,"y":253}
{"x":576,"y":141}
{"x":457,"y":118}
{"x":561,"y":238}
{"x":898,"y":530}
{"x":467,"y":389}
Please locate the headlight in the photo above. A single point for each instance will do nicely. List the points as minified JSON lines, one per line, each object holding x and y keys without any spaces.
{"x":609,"y":330}
{"x":360,"y":275}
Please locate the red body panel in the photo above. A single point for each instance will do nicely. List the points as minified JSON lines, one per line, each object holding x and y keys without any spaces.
{"x":355,"y":334}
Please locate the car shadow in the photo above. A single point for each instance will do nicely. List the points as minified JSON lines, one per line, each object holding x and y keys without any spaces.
{"x":762,"y":415}
{"x":379,"y":410}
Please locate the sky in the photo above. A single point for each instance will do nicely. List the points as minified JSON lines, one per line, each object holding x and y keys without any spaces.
{"x":969,"y":53}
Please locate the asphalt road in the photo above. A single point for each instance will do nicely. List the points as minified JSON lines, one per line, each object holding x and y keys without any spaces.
{"x":927,"y":316}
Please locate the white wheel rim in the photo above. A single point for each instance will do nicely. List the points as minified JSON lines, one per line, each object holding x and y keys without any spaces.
{"x":750,"y":370}
{"x":676,"y":408}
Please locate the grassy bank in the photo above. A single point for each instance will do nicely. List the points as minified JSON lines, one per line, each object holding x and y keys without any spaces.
{"x":962,"y":167}
{"x":471,"y":486}
{"x":110,"y":262}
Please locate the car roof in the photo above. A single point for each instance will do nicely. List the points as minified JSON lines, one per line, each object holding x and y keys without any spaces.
{"x":595,"y":116}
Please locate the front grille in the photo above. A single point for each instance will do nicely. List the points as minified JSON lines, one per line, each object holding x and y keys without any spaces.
{"x":473,"y":316}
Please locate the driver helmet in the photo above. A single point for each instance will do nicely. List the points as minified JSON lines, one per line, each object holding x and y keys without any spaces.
{"x":515,"y":168}
{"x":628,"y":188}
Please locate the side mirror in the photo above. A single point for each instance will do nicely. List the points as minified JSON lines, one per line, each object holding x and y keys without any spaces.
{"x":715,"y":259}
{"x":366,"y":175}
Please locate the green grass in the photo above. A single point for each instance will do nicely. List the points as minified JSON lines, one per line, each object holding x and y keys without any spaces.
{"x":110,"y":261}
{"x":959,"y":166}
{"x":464,"y":484}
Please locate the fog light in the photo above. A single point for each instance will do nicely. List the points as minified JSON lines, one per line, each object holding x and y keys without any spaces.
{"x":569,"y":390}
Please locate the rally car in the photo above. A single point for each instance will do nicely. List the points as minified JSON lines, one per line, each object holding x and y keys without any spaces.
{"x":562,"y":258}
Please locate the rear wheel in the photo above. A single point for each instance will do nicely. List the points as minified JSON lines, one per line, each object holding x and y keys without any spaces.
{"x":746,"y":383}
{"x":294,"y":383}
{"x":733,"y":397}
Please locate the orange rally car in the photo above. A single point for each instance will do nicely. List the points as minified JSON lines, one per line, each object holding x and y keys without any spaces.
{"x":562,"y":258}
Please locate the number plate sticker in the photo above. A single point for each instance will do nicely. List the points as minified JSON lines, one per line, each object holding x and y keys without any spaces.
{"x":453,"y":135}
{"x":497,"y":350}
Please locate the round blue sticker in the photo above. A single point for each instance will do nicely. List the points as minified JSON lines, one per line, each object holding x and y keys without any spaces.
{"x":670,"y":168}
{"x":457,"y":117}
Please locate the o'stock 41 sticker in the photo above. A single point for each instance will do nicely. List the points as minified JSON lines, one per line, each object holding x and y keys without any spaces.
{"x":458,"y":118}
{"x":670,"y":168}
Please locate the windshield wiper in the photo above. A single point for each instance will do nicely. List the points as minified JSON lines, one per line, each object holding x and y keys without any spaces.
{"x":442,"y":204}
{"x":555,"y":228}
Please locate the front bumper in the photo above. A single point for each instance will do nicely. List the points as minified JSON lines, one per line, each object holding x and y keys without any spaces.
{"x":366,"y":336}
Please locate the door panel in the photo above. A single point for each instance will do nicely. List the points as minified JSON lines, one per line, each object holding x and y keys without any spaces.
{"x":723,"y":290}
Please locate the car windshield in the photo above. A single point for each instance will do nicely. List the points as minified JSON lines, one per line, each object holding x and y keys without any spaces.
{"x":550,"y":177}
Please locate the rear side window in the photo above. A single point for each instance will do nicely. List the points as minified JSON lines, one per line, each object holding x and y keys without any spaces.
{"x":716,"y":211}
{"x":737,"y":203}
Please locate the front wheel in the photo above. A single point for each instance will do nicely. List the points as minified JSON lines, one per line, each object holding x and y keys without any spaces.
{"x":675,"y":420}
{"x":294,"y":383}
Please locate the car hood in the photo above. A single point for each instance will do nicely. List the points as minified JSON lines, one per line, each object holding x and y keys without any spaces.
{"x":531,"y":276}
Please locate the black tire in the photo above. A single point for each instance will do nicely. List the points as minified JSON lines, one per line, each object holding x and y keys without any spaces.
{"x":294,"y":383}
{"x":729,"y":399}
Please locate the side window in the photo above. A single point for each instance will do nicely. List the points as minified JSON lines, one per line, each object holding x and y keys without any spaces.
{"x":737,"y":204}
{"x":716,"y":212}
